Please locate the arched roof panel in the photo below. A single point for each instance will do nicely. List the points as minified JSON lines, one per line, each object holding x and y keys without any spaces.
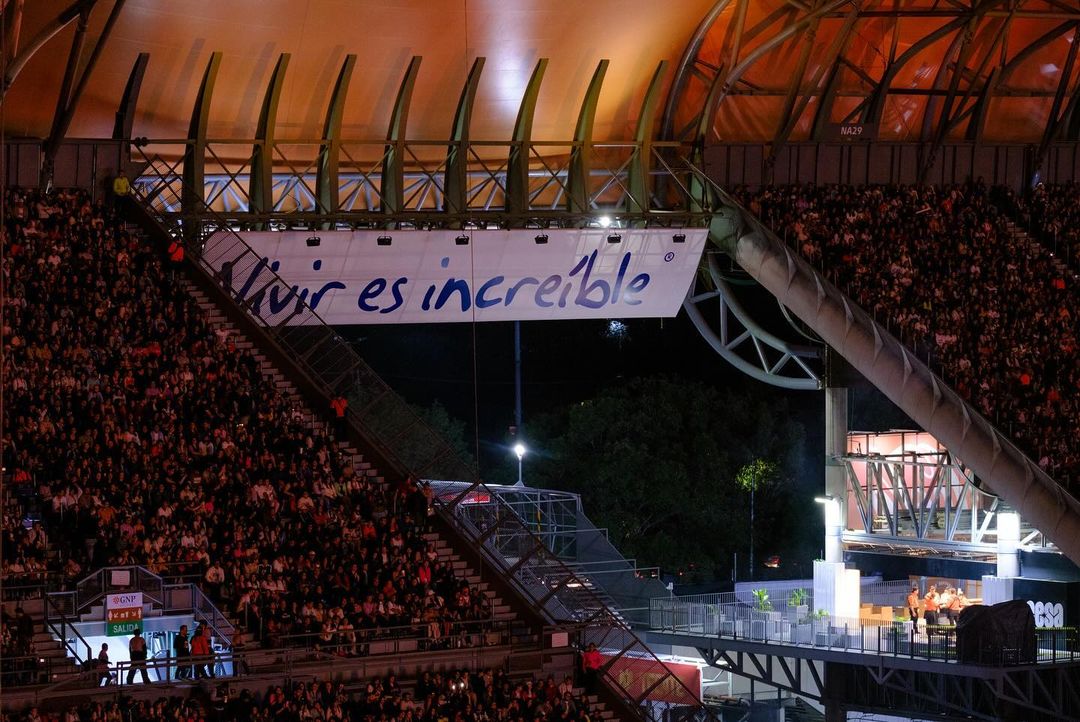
{"x":938,"y":58}
{"x":575,"y":34}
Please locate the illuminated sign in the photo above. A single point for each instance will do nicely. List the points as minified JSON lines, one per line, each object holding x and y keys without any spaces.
{"x":123,"y":613}
{"x":660,"y":682}
{"x":362,"y":277}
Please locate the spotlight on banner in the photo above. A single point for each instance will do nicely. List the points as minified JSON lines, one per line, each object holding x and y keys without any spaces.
{"x":462,"y":240}
{"x":541,"y":239}
{"x":384,"y":240}
{"x":614,"y":238}
{"x":679,"y":238}
{"x":313,"y":241}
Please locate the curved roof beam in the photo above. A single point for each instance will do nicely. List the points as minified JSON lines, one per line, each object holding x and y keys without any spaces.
{"x":261,"y":194}
{"x":637,"y":198}
{"x":683,"y":72}
{"x":457,"y":154}
{"x":740,"y":69}
{"x":577,"y":181}
{"x":517,"y":164}
{"x":392,"y":180}
{"x":1001,"y":74}
{"x":831,"y":62}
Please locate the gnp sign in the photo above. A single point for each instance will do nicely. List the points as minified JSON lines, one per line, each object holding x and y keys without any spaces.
{"x":123,"y":613}
{"x":357,"y":277}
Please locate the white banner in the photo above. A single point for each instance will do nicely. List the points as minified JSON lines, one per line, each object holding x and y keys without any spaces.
{"x":351,"y":277}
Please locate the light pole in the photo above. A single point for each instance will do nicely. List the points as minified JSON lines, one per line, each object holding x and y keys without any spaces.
{"x":753,"y":486}
{"x":519,"y":449}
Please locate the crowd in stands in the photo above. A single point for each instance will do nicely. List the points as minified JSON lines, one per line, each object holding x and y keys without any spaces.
{"x":137,"y":433}
{"x":995,"y":317}
{"x":1052,"y":214}
{"x":487,"y":695}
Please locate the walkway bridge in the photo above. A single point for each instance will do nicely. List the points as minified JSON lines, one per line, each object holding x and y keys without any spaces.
{"x":885,"y":667}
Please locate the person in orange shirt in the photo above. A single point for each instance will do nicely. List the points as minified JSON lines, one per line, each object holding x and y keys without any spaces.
{"x":913,"y":604}
{"x":930,"y":611}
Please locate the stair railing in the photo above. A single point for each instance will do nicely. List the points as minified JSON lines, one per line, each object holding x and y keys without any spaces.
{"x":58,"y":622}
{"x":411,"y":447}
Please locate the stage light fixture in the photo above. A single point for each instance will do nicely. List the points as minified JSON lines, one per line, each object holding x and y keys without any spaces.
{"x":541,"y":239}
{"x":678,"y":238}
{"x":614,"y":238}
{"x":605,"y":221}
{"x":384,"y":240}
{"x":313,"y":241}
{"x":462,"y":240}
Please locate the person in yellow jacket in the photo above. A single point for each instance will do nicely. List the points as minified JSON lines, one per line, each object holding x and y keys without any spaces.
{"x":121,"y":188}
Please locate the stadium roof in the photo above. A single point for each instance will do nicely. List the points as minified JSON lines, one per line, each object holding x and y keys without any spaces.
{"x":992,"y":68}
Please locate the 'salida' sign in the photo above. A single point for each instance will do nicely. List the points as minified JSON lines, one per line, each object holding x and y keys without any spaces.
{"x":360,"y":277}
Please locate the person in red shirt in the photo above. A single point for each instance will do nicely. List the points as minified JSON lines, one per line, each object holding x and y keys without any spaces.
{"x":340,"y":406}
{"x":591,"y":662}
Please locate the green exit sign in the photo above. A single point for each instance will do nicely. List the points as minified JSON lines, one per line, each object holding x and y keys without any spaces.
{"x":121,"y":629}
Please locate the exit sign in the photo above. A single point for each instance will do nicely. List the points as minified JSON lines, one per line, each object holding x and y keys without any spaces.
{"x":123,"y":613}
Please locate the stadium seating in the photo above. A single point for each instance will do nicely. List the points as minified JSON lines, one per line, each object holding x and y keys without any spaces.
{"x":993,"y":312}
{"x":487,"y":695}
{"x":137,"y":432}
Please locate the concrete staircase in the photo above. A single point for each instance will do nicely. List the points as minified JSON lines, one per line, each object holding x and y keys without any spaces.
{"x":220,"y":322}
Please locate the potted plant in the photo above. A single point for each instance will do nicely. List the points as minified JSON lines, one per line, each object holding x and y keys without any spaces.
{"x":799,"y":601}
{"x":761,"y":600}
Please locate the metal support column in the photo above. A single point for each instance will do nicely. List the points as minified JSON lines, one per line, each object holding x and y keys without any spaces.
{"x":836,"y":415}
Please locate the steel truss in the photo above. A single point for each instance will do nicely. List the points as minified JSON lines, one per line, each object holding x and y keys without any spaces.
{"x":909,"y":686}
{"x":978,"y":66}
{"x":267,"y":183}
{"x":926,"y":499}
{"x":1032,"y":694}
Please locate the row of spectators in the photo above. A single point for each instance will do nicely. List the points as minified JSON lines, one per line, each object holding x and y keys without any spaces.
{"x":995,"y":317}
{"x":137,"y":433}
{"x":488,"y":695}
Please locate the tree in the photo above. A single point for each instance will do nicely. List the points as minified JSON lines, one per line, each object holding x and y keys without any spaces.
{"x":657,"y":463}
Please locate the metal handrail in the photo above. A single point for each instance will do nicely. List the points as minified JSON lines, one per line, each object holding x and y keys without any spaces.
{"x":458,"y":632}
{"x":62,"y":632}
{"x":404,"y":440}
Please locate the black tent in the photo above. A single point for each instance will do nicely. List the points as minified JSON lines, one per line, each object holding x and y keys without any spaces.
{"x":1000,"y":634}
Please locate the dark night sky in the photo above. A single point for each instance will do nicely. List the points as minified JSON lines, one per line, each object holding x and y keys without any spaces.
{"x":562,"y":362}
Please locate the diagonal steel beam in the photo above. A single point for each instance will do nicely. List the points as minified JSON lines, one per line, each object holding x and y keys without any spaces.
{"x":1054,"y":121}
{"x":47,"y":33}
